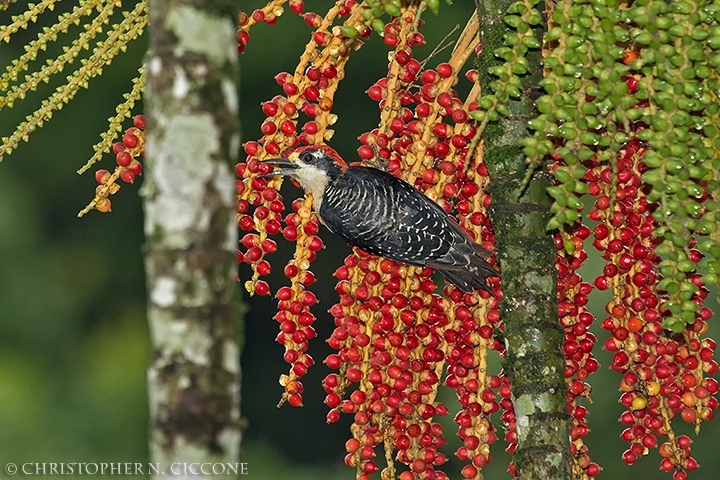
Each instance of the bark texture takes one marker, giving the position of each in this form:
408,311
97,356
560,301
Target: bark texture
526,251
189,197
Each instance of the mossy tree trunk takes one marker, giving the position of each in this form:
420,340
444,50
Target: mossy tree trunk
189,197
526,252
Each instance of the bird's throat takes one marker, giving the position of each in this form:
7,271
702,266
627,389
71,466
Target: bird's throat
313,181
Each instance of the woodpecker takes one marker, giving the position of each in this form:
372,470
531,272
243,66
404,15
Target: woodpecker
386,216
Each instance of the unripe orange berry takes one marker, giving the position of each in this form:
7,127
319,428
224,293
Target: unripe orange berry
103,205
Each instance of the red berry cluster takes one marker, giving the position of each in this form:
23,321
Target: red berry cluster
428,126
294,302
268,14
393,335
388,313
126,153
579,341
663,370
260,207
468,345
390,336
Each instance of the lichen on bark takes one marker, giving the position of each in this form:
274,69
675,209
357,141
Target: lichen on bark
191,236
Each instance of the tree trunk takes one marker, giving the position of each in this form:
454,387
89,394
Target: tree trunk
191,237
526,252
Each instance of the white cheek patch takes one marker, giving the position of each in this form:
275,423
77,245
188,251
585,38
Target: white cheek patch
312,180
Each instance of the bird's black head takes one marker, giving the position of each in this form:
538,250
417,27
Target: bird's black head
314,167
322,158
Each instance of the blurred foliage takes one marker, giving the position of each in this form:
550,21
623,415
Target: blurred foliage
73,337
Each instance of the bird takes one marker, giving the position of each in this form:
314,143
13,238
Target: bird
386,216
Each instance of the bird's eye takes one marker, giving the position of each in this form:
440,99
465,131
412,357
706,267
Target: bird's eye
307,157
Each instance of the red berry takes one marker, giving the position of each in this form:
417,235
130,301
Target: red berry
459,115
428,76
330,71
632,84
123,158
262,288
127,176
321,38
297,6
375,93
287,127
402,57
135,167
445,70
258,15
130,140
445,99
689,415
313,74
290,88
312,93
268,128
102,176
270,109
312,19
295,400
140,121
391,40
469,471
251,148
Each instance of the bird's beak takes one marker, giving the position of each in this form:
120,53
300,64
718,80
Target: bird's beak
288,167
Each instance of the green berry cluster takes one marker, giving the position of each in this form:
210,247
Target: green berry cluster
639,71
584,115
679,46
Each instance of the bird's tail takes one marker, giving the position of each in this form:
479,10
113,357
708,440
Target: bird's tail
473,276
466,265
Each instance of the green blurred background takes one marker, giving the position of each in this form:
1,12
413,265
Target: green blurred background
73,338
